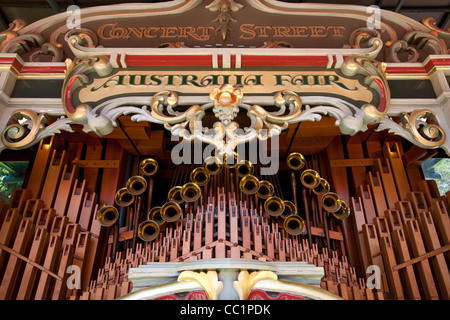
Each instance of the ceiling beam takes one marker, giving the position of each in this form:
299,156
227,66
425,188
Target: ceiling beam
443,22
399,5
3,20
54,5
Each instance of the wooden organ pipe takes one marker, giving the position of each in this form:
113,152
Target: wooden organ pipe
294,189
305,198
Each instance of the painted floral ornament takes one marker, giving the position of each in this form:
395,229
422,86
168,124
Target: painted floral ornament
226,100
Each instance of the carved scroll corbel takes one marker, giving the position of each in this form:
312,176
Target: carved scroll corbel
33,43
375,79
420,127
26,128
76,76
430,23
11,32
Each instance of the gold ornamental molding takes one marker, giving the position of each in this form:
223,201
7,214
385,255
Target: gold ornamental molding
232,26
356,95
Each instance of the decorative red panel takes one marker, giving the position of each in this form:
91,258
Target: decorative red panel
193,295
259,294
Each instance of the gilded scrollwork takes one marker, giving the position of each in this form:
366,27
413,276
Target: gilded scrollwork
376,79
430,23
246,281
224,7
208,280
420,127
412,42
26,128
11,32
76,76
29,42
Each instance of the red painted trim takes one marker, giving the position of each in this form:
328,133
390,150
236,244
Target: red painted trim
299,61
258,294
68,104
393,70
43,69
383,103
167,60
5,60
193,295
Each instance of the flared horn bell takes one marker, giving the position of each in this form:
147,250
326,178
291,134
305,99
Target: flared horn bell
331,202
343,212
322,188
244,168
199,176
289,209
175,195
274,206
107,216
265,190
231,161
123,197
149,167
213,166
155,215
296,161
136,185
310,178
294,225
249,185
148,230
171,211
190,192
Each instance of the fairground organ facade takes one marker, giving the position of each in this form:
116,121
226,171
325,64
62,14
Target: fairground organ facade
225,149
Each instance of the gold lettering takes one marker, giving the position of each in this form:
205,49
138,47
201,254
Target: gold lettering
315,31
184,33
247,28
263,30
336,30
281,31
136,31
147,32
204,33
101,30
169,32
300,31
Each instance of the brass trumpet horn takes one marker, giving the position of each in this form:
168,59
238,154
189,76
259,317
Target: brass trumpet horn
231,162
136,185
265,190
289,209
343,212
175,195
199,176
296,161
190,192
310,178
213,166
294,225
149,167
148,230
107,216
171,211
123,197
274,206
249,185
155,215
244,168
331,202
322,188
